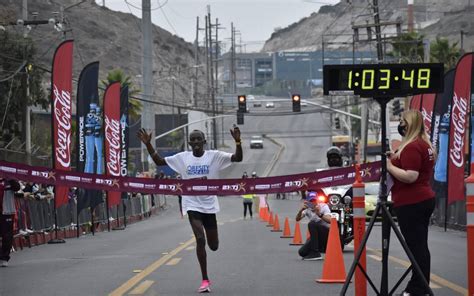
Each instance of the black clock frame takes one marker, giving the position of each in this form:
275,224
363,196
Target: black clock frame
333,81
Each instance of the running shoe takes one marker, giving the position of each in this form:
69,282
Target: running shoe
205,287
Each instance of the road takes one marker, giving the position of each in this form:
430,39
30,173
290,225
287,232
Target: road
157,256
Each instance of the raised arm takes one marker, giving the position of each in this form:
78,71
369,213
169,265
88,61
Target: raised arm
238,155
146,139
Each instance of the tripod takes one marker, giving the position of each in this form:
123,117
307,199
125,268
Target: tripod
387,223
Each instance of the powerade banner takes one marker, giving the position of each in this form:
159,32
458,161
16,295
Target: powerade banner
61,113
458,128
334,177
89,130
112,132
124,122
440,133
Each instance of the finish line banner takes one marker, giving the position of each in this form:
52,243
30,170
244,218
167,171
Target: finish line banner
332,177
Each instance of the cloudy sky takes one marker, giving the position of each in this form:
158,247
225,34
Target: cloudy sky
255,19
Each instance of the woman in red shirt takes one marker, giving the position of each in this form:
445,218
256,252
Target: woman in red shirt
411,167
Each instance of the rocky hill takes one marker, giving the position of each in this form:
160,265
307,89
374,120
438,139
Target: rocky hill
333,23
114,39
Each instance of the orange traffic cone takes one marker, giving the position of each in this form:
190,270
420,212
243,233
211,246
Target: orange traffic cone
276,225
334,270
286,229
270,220
260,214
263,217
297,241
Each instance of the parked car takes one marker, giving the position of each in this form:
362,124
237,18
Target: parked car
257,104
371,198
270,105
256,142
304,104
250,97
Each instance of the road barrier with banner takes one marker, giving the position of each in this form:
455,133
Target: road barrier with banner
289,183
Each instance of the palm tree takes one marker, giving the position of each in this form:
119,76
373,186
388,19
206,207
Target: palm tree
408,48
443,52
135,106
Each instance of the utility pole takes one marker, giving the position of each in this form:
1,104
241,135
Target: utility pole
208,70
462,41
213,92
26,130
232,60
148,120
410,16
196,63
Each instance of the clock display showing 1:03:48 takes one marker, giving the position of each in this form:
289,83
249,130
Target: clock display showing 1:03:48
370,79
384,80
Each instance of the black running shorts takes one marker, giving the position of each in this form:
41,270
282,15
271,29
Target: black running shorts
209,221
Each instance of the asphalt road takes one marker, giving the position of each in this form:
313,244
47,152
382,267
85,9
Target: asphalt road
157,256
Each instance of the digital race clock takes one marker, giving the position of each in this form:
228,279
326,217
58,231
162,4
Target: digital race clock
384,80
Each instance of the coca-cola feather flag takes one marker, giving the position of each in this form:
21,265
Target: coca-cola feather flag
415,102
458,128
112,132
426,108
61,113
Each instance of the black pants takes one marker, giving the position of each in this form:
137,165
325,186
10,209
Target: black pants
413,221
6,232
319,232
249,206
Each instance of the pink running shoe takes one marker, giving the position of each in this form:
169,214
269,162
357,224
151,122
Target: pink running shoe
205,286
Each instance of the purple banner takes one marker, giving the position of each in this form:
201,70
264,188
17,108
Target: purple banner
334,177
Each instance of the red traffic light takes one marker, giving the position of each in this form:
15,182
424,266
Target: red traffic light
295,98
241,99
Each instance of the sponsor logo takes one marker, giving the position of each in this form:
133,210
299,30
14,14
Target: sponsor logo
112,136
262,186
8,169
458,121
136,185
426,118
73,178
325,179
234,187
198,188
178,187
108,182
62,114
82,149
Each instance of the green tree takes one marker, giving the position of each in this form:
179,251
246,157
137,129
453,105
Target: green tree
135,107
408,48
443,52
18,72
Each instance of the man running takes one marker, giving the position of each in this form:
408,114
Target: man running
201,210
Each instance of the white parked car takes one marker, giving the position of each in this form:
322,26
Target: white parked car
270,105
256,142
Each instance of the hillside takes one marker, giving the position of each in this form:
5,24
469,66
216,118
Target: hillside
333,23
114,39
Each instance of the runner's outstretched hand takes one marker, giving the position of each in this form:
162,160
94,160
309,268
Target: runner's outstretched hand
235,133
144,136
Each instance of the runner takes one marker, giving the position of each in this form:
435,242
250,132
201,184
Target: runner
201,210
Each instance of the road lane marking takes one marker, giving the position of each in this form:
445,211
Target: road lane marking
190,248
173,261
433,277
375,257
149,269
141,289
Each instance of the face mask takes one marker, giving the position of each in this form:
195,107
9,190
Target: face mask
402,130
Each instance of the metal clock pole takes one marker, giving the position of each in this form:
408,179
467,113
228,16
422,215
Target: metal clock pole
387,223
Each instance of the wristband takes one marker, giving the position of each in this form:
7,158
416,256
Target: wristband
238,142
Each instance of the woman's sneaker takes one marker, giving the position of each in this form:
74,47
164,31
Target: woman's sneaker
205,286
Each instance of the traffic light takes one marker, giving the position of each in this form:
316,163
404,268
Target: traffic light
396,108
337,123
240,118
296,99
242,103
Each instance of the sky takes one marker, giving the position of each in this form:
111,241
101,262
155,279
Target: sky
254,19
